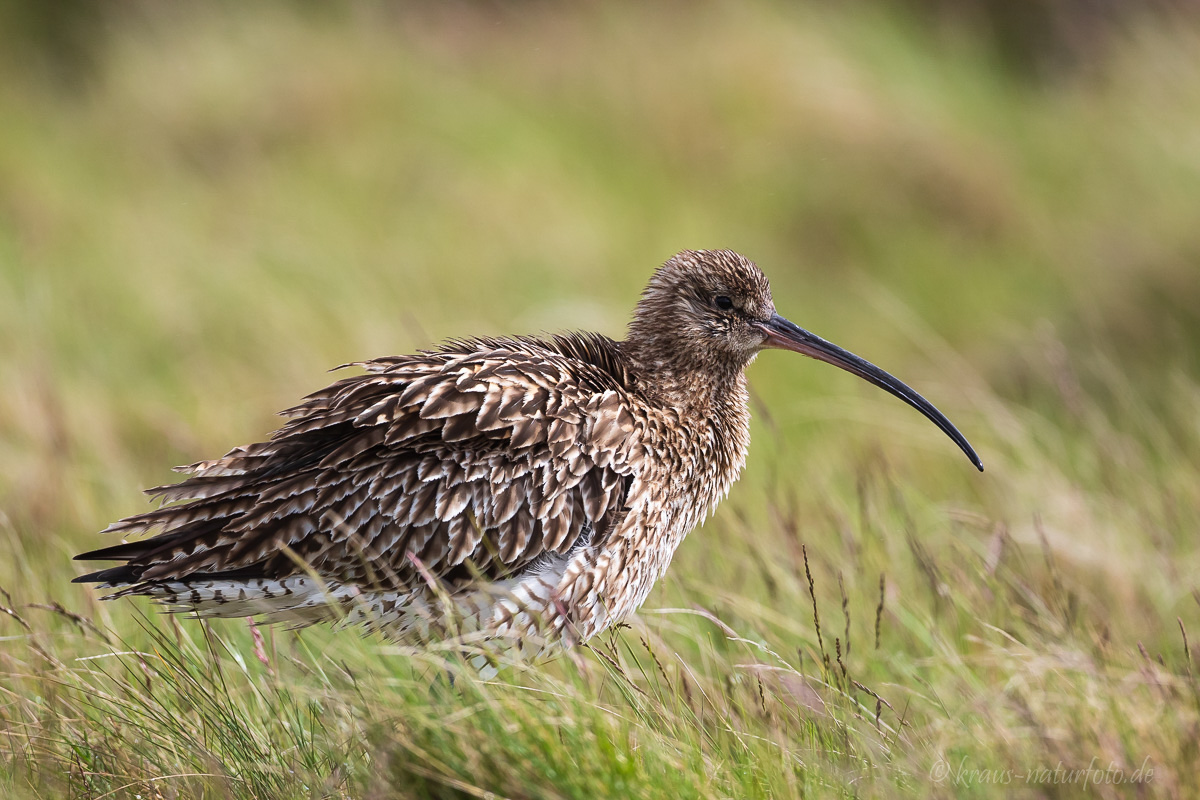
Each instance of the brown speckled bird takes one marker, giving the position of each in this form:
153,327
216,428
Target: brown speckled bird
533,488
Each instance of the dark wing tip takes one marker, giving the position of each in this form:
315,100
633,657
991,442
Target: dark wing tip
113,575
116,552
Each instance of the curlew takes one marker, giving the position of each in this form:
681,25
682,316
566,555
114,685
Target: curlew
530,488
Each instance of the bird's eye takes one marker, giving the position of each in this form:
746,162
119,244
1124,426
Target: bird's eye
723,302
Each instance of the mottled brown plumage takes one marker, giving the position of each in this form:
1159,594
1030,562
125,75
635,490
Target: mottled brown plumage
533,488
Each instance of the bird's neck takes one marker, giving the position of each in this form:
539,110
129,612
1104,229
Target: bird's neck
713,389
712,409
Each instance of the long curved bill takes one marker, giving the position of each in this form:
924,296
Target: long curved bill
786,335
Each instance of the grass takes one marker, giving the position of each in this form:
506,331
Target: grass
225,204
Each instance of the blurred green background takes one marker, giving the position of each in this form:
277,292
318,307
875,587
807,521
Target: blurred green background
203,207
201,210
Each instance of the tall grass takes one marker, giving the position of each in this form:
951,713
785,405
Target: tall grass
234,200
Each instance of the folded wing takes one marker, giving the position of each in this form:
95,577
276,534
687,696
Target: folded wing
469,462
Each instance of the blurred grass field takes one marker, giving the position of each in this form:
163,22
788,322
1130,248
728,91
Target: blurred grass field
205,209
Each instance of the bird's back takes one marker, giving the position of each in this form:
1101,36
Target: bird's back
486,460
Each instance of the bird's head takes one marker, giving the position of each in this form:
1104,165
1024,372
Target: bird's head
701,310
708,313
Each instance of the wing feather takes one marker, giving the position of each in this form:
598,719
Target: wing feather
491,452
